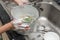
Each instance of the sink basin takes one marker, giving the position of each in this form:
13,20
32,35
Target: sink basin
52,12
39,33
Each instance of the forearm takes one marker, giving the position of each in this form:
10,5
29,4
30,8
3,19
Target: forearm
6,27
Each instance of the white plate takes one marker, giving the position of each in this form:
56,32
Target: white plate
51,36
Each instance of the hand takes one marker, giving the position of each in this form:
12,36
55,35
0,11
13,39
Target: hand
19,25
21,2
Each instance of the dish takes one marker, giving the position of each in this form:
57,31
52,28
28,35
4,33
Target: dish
51,36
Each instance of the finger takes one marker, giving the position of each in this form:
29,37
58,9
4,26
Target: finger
25,2
19,24
27,28
19,2
24,29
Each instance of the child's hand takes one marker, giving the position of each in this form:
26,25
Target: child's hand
19,25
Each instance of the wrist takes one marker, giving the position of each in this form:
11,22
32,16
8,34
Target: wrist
12,26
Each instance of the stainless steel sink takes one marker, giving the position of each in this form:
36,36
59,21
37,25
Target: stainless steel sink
45,22
39,32
52,12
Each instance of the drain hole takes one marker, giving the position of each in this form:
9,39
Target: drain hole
41,9
39,36
41,0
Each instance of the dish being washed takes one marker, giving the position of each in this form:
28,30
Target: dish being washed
28,14
28,10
